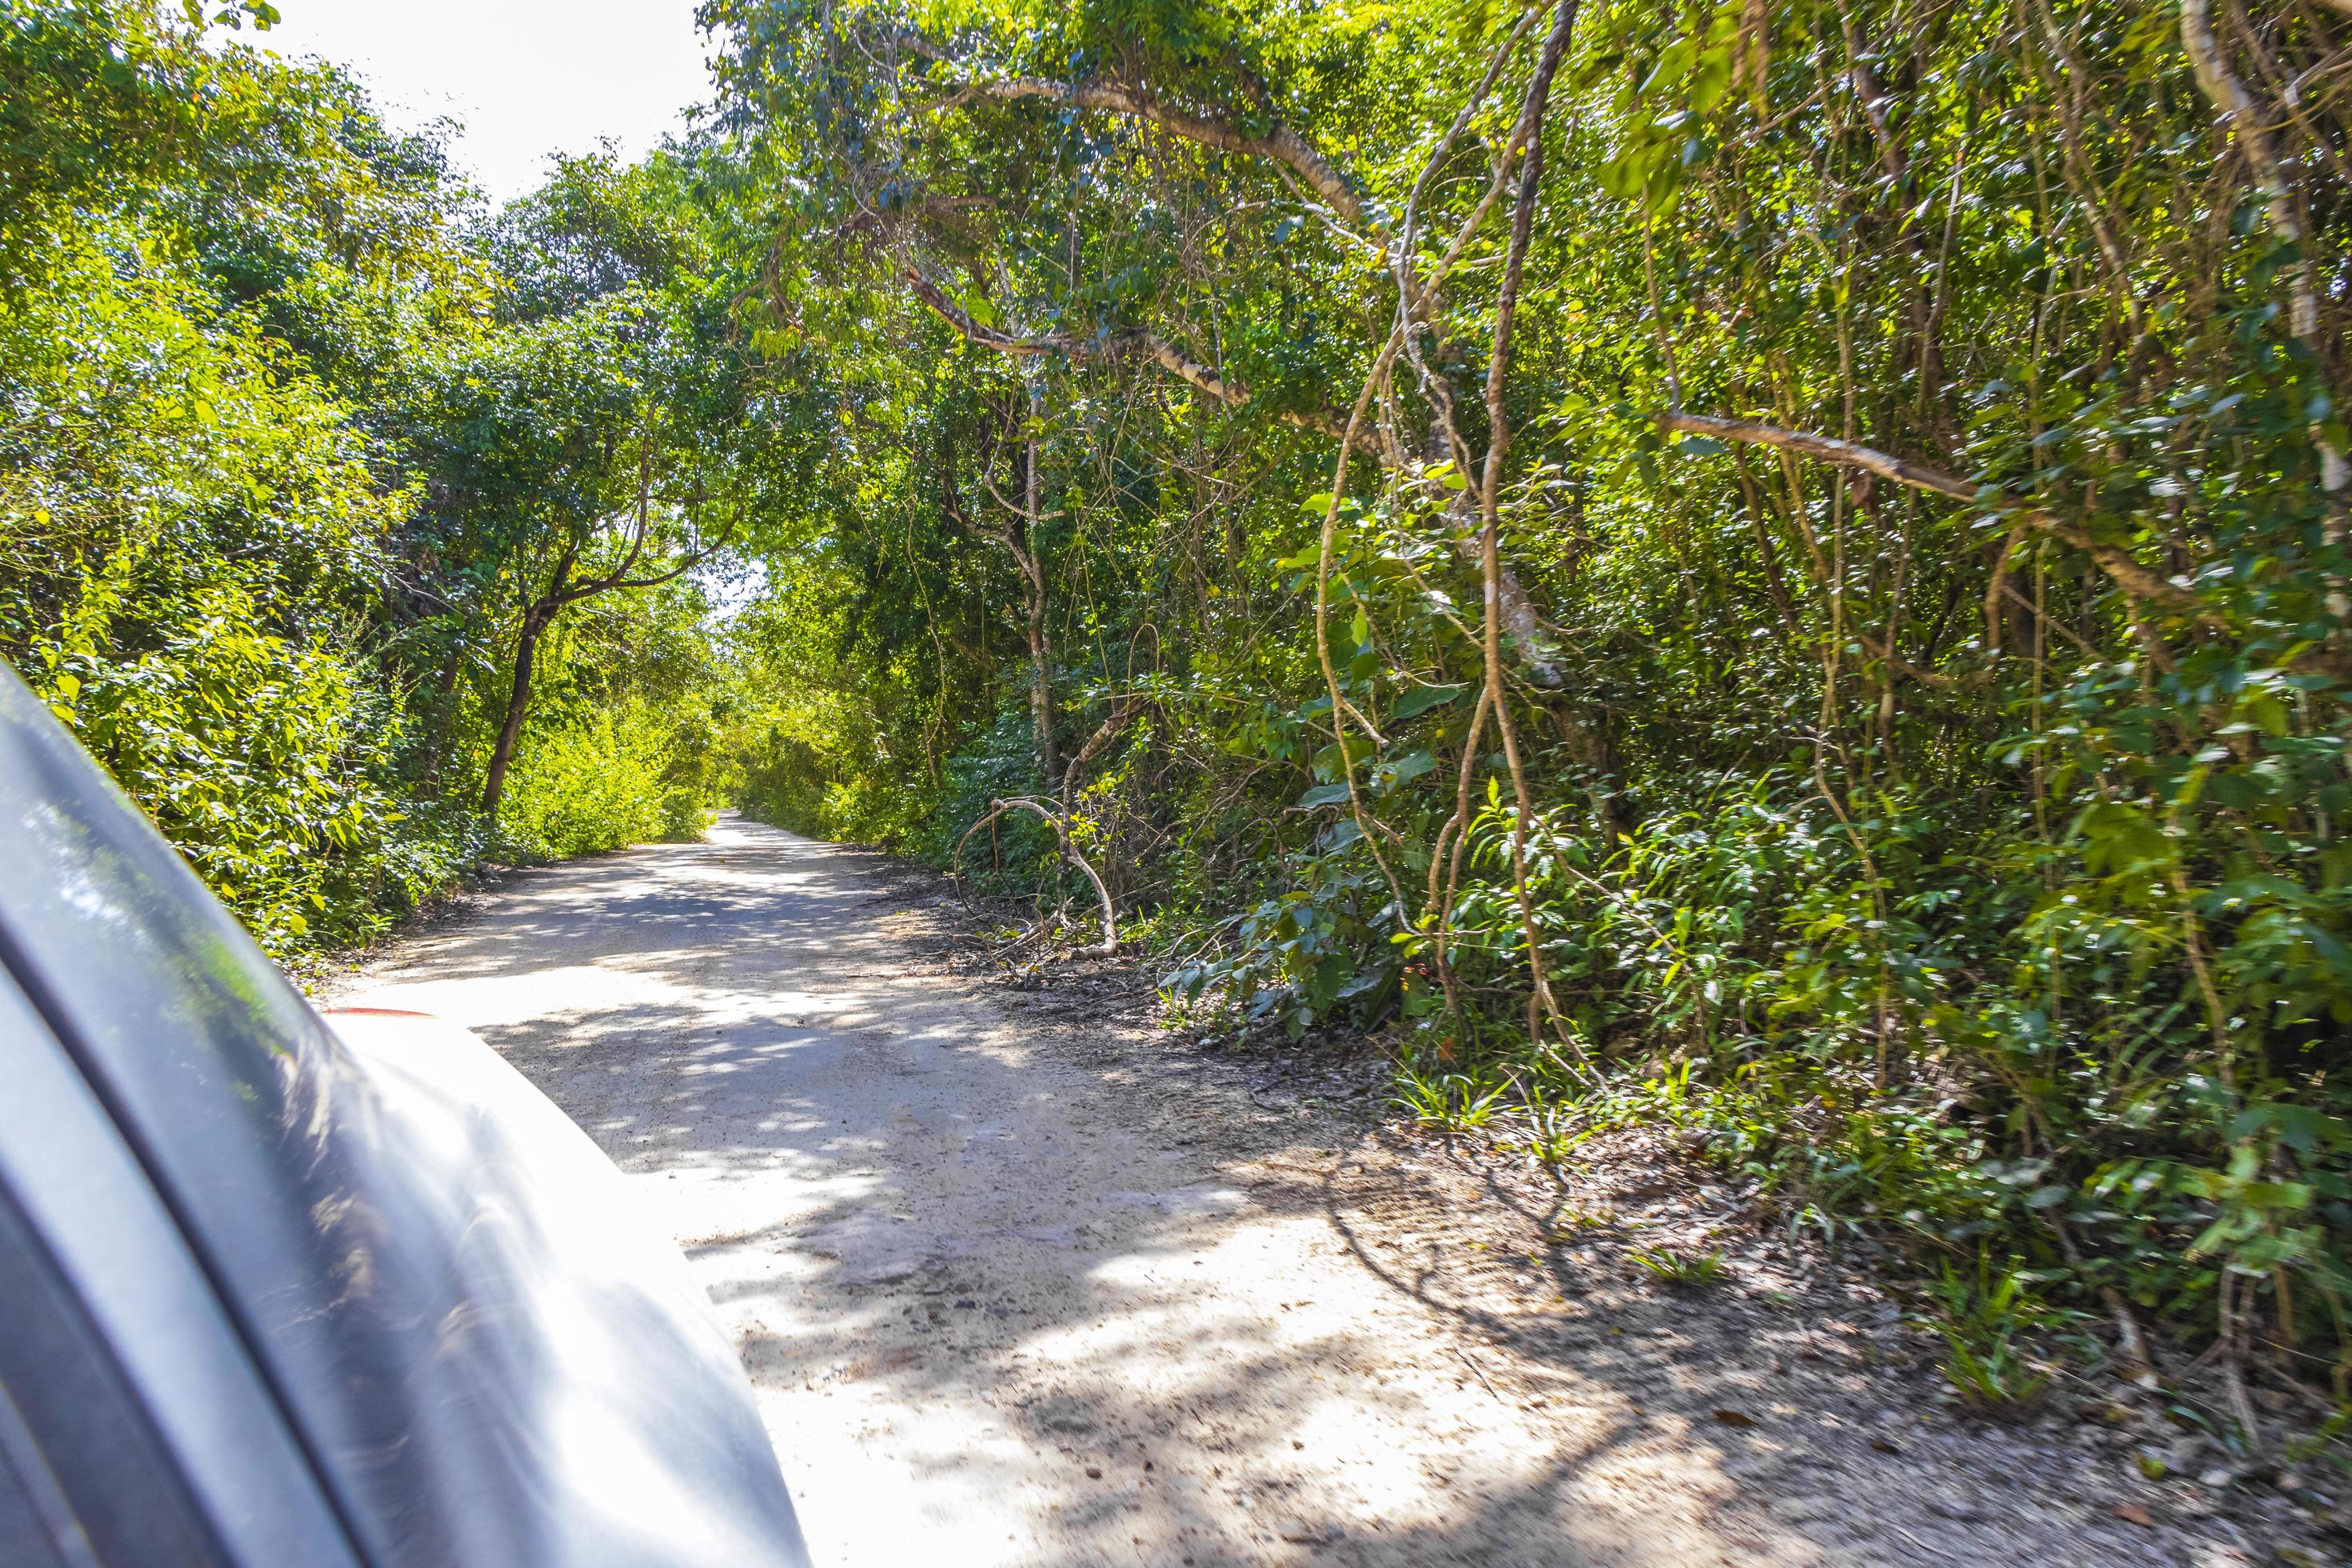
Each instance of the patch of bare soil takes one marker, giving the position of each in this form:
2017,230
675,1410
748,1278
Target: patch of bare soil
1812,1371
1020,1278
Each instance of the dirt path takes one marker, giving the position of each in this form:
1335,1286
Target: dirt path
1017,1289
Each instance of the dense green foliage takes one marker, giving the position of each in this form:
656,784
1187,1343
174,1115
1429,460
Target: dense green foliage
1949,825
291,436
1774,565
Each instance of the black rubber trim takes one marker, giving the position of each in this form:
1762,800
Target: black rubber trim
53,1013
124,1487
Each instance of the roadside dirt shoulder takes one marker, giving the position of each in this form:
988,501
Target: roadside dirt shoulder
1020,1278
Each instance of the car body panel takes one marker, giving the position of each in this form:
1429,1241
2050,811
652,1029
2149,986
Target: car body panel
470,1380
554,1237
67,1170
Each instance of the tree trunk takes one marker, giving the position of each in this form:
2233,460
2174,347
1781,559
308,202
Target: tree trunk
1019,538
1041,646
494,783
1041,694
436,736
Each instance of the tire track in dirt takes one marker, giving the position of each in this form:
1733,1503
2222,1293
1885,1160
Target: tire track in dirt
1011,1293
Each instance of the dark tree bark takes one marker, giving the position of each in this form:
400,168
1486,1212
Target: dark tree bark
565,589
537,617
1019,541
494,783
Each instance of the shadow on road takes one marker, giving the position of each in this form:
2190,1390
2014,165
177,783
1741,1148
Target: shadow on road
1000,1309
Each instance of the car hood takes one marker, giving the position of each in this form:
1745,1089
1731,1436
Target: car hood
488,1358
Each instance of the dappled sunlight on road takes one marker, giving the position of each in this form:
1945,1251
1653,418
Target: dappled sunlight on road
992,1314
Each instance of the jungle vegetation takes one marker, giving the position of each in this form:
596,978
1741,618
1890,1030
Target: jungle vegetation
352,525
1773,565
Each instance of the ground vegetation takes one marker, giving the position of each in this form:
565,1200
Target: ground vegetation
359,529
1772,566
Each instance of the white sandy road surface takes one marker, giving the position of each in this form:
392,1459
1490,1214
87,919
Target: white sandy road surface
1003,1306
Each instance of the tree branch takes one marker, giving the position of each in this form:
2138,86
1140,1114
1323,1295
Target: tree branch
971,331
1124,710
618,579
596,585
2220,84
1151,345
1282,144
2116,563
1322,421
1059,821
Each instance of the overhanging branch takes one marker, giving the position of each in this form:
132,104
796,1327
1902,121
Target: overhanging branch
1322,422
2118,564
1281,144
971,331
1149,345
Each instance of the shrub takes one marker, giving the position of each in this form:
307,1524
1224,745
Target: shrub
264,761
599,781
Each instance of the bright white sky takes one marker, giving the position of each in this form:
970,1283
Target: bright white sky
526,77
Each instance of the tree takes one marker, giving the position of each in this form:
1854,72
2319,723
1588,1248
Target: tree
279,473
1822,556
591,440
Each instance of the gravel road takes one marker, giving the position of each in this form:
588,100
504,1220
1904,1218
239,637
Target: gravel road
1013,1296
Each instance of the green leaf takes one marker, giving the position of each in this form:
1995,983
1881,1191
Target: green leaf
1422,699
2119,838
2274,1195
1406,769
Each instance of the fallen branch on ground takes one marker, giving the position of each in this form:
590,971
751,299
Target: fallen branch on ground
1109,946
